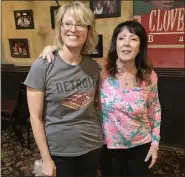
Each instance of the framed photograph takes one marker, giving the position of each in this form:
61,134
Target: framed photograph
106,8
53,12
19,48
24,19
98,52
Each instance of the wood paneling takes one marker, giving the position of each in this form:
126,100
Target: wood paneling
171,95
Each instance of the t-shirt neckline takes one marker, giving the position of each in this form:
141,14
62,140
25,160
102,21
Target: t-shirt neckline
61,59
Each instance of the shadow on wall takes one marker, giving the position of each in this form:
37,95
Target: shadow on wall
3,61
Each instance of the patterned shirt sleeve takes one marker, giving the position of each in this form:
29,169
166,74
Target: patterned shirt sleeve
154,110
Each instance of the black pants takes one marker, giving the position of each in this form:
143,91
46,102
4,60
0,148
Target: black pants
125,162
85,165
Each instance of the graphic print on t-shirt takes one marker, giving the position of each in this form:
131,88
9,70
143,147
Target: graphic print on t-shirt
67,86
77,101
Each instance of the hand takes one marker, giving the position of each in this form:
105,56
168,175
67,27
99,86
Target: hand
47,53
48,168
152,153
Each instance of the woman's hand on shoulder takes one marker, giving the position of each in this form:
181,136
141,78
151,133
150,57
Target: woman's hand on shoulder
47,53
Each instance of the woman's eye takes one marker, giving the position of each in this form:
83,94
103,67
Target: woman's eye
68,24
134,39
79,25
121,38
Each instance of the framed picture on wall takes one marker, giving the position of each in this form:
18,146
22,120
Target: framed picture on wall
53,12
98,52
24,19
106,8
19,48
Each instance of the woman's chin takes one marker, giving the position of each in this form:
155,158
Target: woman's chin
126,59
74,46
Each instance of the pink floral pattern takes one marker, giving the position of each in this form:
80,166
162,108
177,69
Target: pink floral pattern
130,117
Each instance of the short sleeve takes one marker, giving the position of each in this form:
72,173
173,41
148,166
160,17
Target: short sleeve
37,75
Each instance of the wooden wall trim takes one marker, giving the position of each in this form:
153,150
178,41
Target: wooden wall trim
161,72
13,68
170,72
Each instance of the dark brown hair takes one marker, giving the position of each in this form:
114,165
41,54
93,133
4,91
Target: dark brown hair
143,65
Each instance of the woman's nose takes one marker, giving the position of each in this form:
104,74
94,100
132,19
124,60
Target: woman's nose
73,28
126,42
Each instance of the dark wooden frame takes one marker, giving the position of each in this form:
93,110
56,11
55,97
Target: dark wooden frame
22,14
99,48
52,13
19,42
107,15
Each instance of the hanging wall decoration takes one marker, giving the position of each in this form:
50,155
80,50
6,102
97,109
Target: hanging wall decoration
53,12
98,52
24,19
19,48
106,8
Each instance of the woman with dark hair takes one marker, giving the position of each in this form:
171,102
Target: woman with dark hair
130,108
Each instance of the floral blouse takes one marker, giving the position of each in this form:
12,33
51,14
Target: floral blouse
130,117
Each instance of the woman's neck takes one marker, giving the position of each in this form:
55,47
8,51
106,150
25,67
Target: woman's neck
70,56
126,67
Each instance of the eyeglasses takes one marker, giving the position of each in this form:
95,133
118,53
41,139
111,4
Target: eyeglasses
78,27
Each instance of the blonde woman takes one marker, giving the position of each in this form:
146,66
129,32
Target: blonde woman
70,137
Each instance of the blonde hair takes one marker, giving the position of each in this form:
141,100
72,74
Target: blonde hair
84,16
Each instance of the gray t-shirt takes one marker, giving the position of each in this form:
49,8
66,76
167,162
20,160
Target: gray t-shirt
72,123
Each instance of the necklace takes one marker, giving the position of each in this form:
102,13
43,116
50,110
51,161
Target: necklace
127,80
126,74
